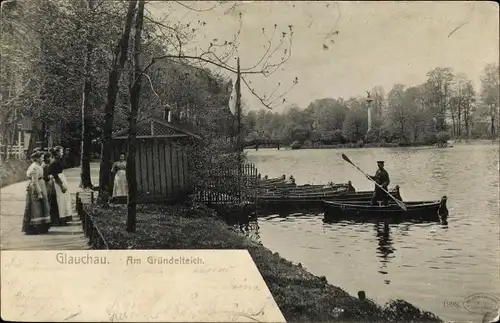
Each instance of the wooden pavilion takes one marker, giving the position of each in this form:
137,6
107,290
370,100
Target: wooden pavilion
161,158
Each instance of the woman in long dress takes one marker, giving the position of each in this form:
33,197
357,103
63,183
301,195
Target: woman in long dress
46,177
60,210
120,185
36,218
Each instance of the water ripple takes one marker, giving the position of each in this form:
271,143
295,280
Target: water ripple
422,263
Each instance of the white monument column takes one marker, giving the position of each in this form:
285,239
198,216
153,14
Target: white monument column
369,117
369,101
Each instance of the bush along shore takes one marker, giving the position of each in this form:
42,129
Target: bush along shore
308,145
13,171
363,145
301,296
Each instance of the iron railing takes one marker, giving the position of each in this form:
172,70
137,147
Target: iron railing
89,226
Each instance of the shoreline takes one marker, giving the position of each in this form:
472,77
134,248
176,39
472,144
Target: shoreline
348,146
367,145
300,295
380,145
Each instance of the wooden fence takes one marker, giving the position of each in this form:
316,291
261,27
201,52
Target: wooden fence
228,185
16,152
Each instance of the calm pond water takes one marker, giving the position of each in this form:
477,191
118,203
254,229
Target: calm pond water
425,264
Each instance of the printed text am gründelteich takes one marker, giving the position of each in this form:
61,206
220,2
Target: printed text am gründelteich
156,260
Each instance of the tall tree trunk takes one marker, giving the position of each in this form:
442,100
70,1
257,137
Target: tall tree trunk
135,91
492,117
86,148
43,135
453,126
113,86
86,179
466,121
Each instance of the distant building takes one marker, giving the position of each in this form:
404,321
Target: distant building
481,125
20,132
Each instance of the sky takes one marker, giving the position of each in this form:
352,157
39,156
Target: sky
378,43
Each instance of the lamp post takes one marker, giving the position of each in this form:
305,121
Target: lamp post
369,100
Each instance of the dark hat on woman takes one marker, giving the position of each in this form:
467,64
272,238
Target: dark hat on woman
36,154
54,151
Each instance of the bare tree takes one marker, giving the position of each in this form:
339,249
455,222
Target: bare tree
439,91
218,54
86,179
461,104
135,91
490,89
398,110
119,59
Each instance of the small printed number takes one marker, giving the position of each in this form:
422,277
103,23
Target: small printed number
454,304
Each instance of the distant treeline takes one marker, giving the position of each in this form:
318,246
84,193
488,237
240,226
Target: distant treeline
445,106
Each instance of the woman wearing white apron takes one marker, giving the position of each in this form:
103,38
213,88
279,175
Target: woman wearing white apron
120,186
60,210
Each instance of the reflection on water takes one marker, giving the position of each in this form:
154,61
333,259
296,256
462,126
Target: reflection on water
382,231
385,247
424,263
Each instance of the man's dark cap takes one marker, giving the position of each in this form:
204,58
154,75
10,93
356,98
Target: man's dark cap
380,161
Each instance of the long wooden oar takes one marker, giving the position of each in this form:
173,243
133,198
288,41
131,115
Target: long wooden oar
398,202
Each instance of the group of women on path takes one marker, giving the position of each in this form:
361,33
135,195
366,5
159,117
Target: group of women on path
48,201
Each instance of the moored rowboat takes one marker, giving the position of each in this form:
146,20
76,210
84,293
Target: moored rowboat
294,192
280,186
335,193
287,189
309,202
315,195
318,188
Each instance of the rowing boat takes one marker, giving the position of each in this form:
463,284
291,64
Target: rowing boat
312,187
317,188
292,189
308,202
435,211
277,185
327,194
315,196
273,180
295,192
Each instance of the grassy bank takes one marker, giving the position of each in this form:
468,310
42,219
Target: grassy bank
301,296
13,171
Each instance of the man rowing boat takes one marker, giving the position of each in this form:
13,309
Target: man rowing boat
382,178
